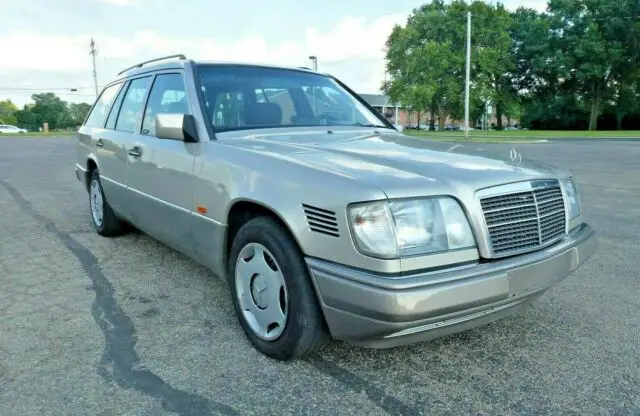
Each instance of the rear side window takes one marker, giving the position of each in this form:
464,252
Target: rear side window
167,96
102,106
132,105
113,115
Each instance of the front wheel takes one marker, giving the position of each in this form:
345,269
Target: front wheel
272,293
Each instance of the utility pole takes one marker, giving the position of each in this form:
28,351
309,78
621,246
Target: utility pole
93,54
468,80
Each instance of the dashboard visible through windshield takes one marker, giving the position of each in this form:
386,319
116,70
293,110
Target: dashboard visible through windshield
247,97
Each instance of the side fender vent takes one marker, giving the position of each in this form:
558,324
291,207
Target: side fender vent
321,220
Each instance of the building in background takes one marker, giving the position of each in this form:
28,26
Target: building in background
398,114
395,113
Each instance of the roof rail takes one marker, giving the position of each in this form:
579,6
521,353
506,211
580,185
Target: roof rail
179,56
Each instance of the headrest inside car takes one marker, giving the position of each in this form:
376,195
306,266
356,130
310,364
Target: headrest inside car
265,114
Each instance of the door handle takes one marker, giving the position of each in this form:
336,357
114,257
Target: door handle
99,143
135,151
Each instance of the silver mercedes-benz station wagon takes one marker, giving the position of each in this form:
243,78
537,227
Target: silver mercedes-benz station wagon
324,218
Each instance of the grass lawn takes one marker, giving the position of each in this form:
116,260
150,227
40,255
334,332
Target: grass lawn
523,135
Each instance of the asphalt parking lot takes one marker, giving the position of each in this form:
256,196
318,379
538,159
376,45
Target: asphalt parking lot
126,326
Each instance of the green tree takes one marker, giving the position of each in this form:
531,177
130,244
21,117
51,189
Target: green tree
426,58
27,118
424,63
494,61
594,42
49,108
78,112
7,112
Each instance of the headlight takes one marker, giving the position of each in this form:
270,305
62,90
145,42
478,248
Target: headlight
402,228
573,199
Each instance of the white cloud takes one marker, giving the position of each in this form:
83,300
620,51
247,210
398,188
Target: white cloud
29,50
119,3
351,50
353,36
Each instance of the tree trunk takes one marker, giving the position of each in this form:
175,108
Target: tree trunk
432,122
418,123
499,115
441,117
620,110
595,108
619,117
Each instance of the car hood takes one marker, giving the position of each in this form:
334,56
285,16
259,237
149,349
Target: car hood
402,165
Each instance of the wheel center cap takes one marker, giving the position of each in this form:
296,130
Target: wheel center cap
259,291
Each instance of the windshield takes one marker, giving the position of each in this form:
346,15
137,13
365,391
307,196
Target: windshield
244,97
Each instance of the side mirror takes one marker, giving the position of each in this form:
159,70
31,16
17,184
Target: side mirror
399,127
176,127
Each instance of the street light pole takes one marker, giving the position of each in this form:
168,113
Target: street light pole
468,78
314,59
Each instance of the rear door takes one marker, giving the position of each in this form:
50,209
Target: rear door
161,170
97,141
118,136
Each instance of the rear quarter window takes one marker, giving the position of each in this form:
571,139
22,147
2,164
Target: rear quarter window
101,108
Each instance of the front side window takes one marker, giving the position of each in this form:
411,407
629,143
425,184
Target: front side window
101,108
132,105
243,97
167,96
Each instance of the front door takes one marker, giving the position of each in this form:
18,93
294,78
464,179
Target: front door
161,170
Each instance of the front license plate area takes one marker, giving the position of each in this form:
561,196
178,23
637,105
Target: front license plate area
539,275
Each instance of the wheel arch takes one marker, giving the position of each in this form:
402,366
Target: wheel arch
242,210
90,166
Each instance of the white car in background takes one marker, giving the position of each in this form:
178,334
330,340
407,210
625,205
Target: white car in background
9,129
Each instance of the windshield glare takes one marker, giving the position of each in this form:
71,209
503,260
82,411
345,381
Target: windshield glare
246,97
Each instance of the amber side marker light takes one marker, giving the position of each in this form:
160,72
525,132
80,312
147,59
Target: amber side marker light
201,209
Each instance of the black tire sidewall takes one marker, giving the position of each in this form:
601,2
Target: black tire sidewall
303,317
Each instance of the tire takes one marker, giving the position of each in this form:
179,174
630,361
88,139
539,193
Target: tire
107,224
304,330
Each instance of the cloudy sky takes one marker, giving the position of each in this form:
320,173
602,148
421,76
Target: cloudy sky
44,44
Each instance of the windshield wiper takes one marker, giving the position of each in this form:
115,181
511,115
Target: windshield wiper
369,125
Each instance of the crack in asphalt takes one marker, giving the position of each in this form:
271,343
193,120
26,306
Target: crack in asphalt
392,405
119,353
121,363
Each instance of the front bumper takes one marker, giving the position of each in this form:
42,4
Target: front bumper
379,311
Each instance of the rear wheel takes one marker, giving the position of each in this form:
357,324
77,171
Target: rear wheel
104,220
272,293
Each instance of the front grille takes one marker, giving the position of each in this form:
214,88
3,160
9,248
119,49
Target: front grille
524,220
